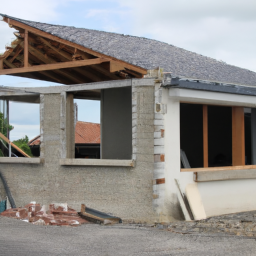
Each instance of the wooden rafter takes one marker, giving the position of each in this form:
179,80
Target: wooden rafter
38,32
18,51
85,56
26,49
60,65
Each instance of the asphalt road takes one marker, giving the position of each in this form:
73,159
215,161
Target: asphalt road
24,239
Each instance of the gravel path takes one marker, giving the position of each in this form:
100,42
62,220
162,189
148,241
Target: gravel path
24,239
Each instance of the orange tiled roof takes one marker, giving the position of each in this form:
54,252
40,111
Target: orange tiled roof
87,132
35,141
84,133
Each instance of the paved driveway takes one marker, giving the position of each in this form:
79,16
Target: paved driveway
24,239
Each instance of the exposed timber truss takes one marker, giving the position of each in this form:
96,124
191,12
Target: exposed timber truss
39,55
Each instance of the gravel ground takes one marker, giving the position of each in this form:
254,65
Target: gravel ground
21,238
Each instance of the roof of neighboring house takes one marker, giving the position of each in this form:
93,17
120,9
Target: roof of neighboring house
149,54
85,133
35,141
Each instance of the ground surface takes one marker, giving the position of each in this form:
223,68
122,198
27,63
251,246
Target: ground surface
24,239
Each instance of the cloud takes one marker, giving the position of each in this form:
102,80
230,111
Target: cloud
24,113
223,30
21,130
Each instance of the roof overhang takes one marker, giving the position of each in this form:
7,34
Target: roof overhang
39,55
204,85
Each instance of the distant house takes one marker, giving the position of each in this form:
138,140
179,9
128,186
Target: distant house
87,141
177,129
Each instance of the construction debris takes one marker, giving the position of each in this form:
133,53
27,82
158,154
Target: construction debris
55,215
95,216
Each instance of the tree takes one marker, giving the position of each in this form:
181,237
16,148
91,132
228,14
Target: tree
4,125
23,145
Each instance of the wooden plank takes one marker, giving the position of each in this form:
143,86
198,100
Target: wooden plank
13,145
105,72
60,65
115,66
18,51
238,140
59,51
9,64
65,42
217,169
26,49
205,135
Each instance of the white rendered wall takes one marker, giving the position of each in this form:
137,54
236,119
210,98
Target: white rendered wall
217,197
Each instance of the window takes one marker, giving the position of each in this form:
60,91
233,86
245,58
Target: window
114,128
19,129
215,136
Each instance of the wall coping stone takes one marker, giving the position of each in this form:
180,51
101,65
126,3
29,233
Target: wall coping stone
97,162
21,160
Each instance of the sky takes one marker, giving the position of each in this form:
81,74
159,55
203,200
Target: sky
223,30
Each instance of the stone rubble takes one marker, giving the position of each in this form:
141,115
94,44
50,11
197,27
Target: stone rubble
55,215
238,224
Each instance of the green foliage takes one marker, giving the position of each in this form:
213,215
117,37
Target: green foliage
23,145
4,125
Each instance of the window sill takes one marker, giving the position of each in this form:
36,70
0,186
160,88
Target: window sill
97,162
223,173
20,160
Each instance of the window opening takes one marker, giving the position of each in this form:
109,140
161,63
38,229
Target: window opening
87,128
24,132
215,136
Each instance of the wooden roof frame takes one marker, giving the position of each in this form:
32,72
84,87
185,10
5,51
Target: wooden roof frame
83,65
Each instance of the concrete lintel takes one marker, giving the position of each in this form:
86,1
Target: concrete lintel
226,175
143,82
20,160
87,86
97,162
214,98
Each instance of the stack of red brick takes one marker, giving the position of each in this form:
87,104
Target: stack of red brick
56,214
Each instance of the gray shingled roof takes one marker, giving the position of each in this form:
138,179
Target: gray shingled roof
149,54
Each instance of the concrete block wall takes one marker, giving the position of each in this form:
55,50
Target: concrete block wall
159,152
123,191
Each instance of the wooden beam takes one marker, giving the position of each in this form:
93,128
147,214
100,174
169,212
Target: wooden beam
116,66
54,77
105,72
205,135
60,65
85,56
135,74
48,60
13,145
88,74
59,51
238,140
26,49
9,64
18,24
18,51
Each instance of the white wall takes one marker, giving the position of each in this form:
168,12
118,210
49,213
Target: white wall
217,197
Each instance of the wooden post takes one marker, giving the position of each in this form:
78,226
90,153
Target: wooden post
1,63
253,135
205,134
26,49
238,140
